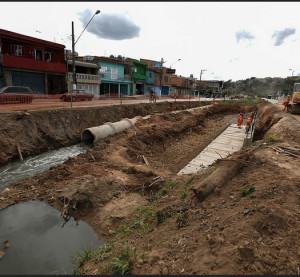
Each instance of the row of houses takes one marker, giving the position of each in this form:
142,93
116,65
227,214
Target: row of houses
46,67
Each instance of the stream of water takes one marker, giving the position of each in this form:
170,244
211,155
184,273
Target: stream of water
31,166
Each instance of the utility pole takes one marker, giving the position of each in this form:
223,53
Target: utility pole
201,72
161,73
74,85
73,64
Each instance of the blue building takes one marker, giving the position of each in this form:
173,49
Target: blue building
152,81
115,76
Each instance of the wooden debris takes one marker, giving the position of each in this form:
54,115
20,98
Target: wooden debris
156,179
289,151
145,160
92,157
19,152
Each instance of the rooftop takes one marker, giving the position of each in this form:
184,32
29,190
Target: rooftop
13,35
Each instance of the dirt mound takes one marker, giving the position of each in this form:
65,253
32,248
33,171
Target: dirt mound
286,129
119,208
267,116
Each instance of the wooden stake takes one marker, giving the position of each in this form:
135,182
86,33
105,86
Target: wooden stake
19,152
145,160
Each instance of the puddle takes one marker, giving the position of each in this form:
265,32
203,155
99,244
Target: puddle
31,166
40,242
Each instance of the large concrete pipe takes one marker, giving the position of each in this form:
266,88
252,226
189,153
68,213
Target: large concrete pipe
94,134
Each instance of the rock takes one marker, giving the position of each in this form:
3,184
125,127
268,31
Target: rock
140,261
247,211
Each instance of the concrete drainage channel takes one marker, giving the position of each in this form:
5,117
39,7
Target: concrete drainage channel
231,140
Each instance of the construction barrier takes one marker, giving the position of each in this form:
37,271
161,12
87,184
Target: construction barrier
15,99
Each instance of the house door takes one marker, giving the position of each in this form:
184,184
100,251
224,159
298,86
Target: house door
36,81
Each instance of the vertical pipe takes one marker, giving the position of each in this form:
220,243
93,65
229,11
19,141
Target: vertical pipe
161,74
73,63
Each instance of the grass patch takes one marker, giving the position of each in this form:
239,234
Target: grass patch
142,222
247,190
244,101
80,259
102,252
167,186
183,195
181,219
122,263
270,138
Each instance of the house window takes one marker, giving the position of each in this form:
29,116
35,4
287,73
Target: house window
38,55
48,57
17,50
114,73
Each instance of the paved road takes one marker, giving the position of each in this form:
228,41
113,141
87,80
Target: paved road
47,104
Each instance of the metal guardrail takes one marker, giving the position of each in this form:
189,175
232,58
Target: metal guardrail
250,134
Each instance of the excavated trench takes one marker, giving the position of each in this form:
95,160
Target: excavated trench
36,132
136,160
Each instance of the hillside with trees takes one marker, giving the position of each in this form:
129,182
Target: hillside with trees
261,86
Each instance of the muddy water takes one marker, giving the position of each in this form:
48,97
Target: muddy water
31,166
40,242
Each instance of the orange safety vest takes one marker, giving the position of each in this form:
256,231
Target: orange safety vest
240,120
249,121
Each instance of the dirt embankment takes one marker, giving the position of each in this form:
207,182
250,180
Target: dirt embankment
117,164
145,205
249,225
38,131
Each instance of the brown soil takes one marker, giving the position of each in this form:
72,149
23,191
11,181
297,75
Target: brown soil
39,131
227,233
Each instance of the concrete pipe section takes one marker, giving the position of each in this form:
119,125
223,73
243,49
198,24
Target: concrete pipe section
94,134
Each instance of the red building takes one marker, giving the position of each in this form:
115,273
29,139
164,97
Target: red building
32,62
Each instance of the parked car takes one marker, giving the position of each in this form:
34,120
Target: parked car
77,95
16,95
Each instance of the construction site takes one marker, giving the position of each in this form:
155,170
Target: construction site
165,188
149,138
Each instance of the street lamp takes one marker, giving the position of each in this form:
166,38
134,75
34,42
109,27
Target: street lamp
73,51
174,63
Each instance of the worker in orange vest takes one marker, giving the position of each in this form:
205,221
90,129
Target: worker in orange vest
286,103
240,120
248,123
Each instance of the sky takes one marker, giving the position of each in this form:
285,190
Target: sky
231,40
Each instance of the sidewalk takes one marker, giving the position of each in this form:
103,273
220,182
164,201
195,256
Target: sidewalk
51,104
